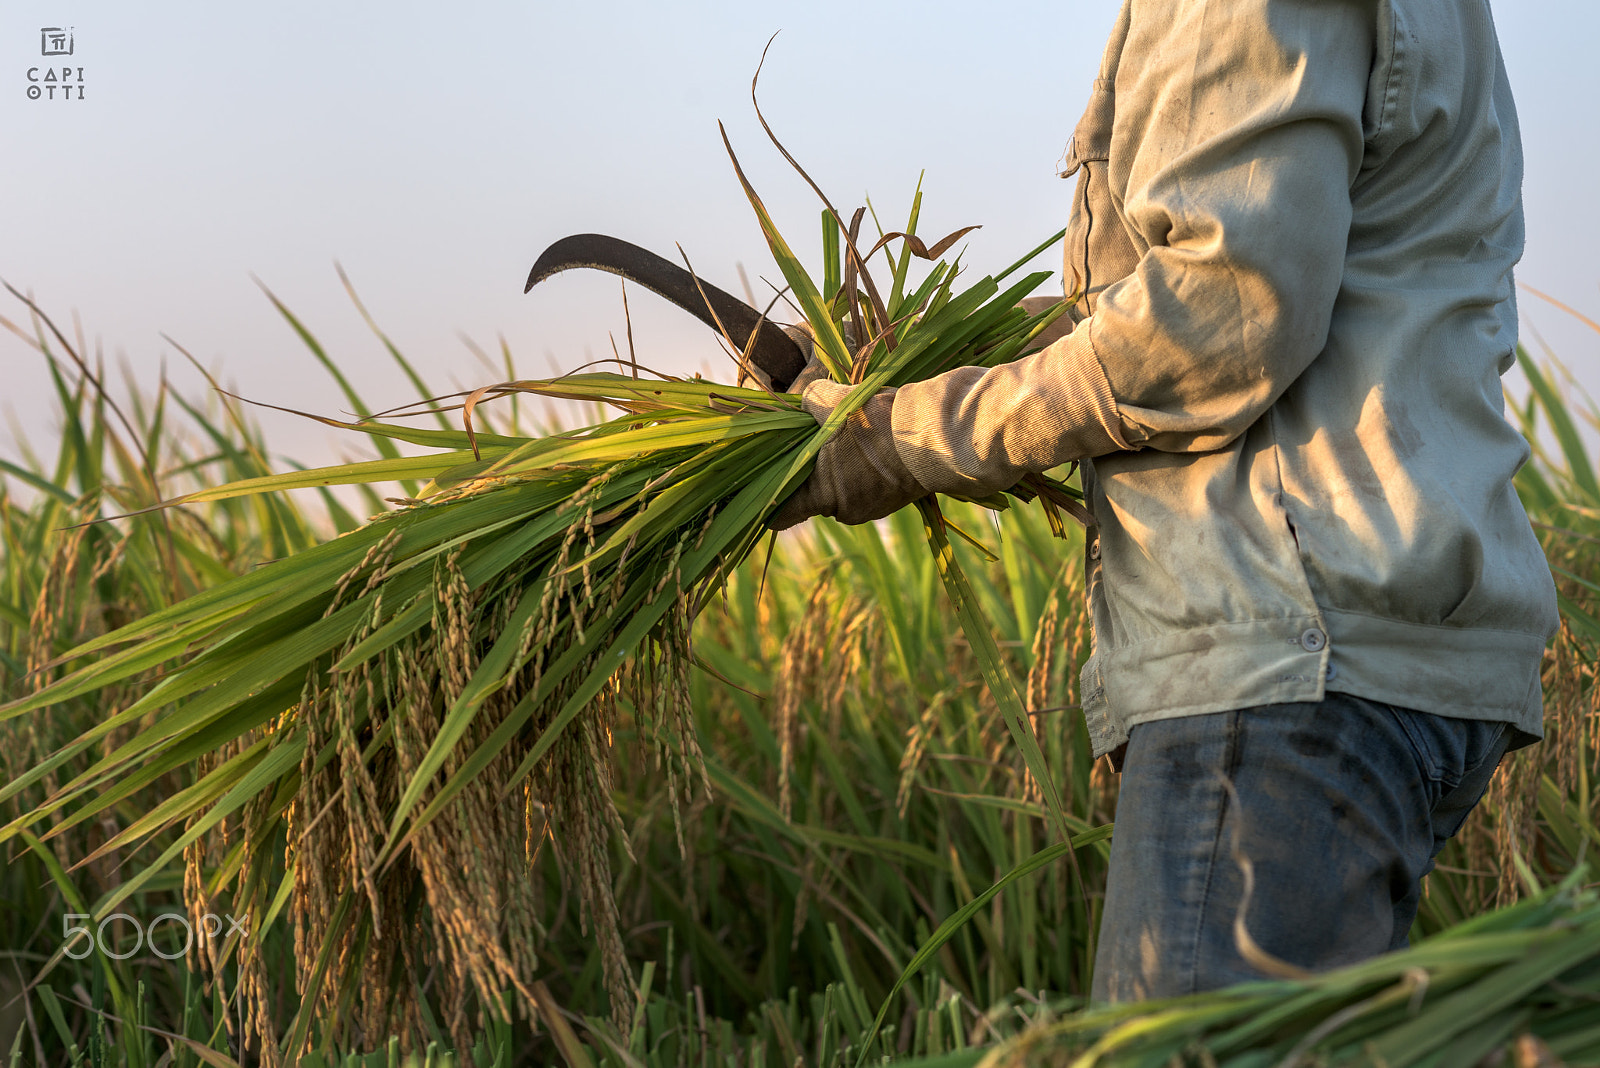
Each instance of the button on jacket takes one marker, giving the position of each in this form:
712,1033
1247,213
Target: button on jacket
1291,255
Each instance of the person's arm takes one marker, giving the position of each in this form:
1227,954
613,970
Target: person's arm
1238,135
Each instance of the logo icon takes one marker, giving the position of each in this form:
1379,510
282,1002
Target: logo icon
45,82
55,41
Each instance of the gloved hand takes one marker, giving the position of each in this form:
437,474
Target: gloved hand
814,369
858,476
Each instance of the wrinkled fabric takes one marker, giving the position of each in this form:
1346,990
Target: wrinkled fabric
1290,261
1338,809
858,476
814,370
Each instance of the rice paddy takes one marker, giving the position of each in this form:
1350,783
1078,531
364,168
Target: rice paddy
528,770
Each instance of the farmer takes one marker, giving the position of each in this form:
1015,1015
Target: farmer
1319,610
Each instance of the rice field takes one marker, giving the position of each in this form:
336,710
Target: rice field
814,841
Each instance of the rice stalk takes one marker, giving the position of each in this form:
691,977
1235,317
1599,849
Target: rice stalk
741,866
1520,982
363,709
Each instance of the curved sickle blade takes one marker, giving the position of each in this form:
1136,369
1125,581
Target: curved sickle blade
774,352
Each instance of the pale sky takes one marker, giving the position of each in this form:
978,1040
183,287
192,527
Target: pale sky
434,151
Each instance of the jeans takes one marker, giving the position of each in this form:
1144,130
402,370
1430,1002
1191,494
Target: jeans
1336,808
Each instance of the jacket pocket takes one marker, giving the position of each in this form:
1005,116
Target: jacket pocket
1100,250
1091,138
1086,157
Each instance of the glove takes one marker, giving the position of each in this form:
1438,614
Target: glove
814,369
858,476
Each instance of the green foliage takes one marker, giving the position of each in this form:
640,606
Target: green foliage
864,789
1526,975
341,727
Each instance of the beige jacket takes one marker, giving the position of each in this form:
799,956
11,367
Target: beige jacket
1293,235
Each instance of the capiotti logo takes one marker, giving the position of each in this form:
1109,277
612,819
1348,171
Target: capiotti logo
55,82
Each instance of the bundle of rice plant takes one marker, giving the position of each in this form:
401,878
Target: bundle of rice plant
407,712
1517,988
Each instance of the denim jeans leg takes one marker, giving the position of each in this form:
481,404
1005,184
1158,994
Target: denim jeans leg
1462,757
1338,807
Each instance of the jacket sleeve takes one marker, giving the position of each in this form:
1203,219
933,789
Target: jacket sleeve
1236,140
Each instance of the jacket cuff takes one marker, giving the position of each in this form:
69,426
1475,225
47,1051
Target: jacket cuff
973,431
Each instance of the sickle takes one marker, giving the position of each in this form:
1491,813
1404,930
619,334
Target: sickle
774,352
